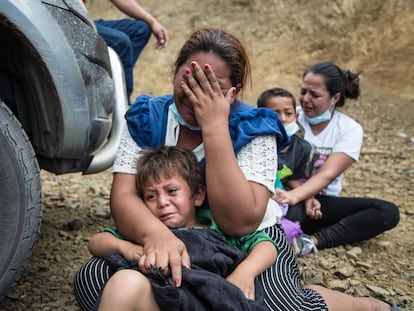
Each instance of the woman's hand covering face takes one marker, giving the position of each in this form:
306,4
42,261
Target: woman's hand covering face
209,90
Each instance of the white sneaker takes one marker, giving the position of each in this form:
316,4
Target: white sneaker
303,245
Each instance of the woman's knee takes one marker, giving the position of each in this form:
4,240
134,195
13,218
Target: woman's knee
390,212
394,215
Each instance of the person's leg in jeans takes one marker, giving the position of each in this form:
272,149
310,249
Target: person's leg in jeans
350,220
128,38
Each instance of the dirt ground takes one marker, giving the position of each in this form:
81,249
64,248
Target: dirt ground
282,39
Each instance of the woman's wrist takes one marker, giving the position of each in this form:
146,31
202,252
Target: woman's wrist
294,197
159,232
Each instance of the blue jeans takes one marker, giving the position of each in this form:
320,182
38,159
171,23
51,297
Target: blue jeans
128,38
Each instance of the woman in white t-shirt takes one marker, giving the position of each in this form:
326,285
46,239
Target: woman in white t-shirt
336,141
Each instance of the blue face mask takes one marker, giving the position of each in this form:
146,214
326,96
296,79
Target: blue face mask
180,119
324,116
291,128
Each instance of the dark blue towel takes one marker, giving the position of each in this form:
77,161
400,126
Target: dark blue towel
204,286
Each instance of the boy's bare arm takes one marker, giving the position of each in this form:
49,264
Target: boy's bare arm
262,256
103,243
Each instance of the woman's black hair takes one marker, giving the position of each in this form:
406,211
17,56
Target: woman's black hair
337,80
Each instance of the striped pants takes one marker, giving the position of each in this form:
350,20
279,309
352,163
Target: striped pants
281,282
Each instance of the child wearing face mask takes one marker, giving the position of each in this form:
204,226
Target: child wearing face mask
293,160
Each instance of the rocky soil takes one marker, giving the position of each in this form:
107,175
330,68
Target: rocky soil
282,39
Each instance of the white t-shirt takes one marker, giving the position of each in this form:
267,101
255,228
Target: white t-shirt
343,134
256,160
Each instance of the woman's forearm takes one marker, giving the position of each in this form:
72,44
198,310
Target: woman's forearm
311,187
334,166
237,205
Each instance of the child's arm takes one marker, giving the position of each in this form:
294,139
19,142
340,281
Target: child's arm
312,205
262,256
313,208
102,243
293,183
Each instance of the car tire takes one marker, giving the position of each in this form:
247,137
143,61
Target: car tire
20,199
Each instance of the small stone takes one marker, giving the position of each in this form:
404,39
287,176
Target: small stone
384,244
378,291
326,264
354,283
44,267
344,272
318,279
71,308
63,234
371,272
15,296
354,253
362,264
339,285
103,212
75,224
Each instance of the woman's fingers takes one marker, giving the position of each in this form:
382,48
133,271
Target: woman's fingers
281,196
169,263
188,91
192,83
211,77
185,259
202,81
146,262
